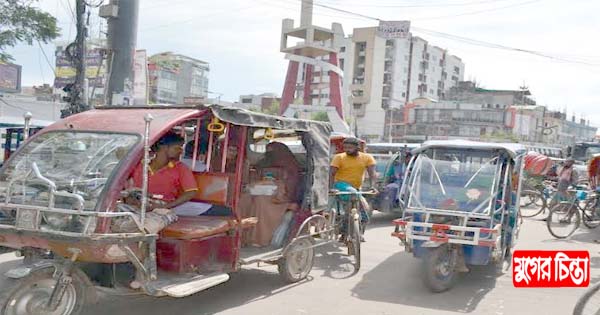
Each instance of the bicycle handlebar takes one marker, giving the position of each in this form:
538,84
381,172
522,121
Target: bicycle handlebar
347,193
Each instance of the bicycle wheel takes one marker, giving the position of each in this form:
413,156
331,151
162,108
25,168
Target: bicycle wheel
590,216
589,302
528,198
353,238
529,207
563,220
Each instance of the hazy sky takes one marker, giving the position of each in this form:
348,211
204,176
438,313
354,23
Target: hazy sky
240,40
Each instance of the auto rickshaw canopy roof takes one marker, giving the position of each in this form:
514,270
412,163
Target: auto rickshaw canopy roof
513,149
130,119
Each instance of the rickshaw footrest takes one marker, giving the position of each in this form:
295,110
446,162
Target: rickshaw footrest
179,287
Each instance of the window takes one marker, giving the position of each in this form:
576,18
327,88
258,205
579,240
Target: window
361,46
387,78
246,101
358,93
456,70
167,75
166,84
342,49
342,63
291,138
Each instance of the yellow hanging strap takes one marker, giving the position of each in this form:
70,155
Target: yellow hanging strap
269,134
215,125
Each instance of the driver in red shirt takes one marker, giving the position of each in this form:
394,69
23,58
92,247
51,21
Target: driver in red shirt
168,179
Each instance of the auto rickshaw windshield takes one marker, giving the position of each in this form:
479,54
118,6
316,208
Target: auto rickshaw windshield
79,163
450,179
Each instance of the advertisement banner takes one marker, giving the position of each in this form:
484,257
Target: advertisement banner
140,78
393,29
10,78
65,71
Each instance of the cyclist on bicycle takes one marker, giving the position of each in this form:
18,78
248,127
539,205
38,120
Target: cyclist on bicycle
347,173
567,177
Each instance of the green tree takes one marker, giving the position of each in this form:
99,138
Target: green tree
320,116
20,21
273,109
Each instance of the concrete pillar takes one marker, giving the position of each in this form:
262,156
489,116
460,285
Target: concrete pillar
307,13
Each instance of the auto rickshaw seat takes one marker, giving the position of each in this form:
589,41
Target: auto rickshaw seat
204,226
213,188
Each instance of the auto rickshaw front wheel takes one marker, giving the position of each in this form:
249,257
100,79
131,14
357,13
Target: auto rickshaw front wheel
439,268
297,261
30,295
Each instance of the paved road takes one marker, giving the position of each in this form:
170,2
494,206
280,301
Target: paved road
389,283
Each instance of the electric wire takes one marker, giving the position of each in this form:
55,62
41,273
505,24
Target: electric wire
47,59
13,106
468,40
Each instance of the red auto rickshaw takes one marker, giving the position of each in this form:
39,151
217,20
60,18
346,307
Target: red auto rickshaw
63,198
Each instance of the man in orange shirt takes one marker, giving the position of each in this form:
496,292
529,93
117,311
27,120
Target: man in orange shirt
168,178
348,170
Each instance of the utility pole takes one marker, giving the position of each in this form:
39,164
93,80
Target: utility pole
391,118
122,16
76,52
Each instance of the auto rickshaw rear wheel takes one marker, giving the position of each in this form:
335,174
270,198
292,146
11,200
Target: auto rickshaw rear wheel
439,268
297,261
29,295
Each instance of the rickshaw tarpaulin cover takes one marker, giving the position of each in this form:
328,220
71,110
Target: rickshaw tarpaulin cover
315,137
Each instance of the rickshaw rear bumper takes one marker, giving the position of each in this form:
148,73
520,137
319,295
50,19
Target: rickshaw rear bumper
98,248
434,235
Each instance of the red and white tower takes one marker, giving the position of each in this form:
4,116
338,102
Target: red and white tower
317,53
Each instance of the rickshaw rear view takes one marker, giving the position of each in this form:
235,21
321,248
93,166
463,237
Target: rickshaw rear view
462,207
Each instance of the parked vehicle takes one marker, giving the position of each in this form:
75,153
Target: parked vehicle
64,198
462,207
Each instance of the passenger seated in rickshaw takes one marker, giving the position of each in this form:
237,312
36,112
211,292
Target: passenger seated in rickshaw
396,176
279,167
188,157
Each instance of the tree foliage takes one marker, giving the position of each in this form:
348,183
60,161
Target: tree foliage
320,116
21,21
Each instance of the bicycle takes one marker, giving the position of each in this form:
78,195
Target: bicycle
566,217
347,221
543,198
589,302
